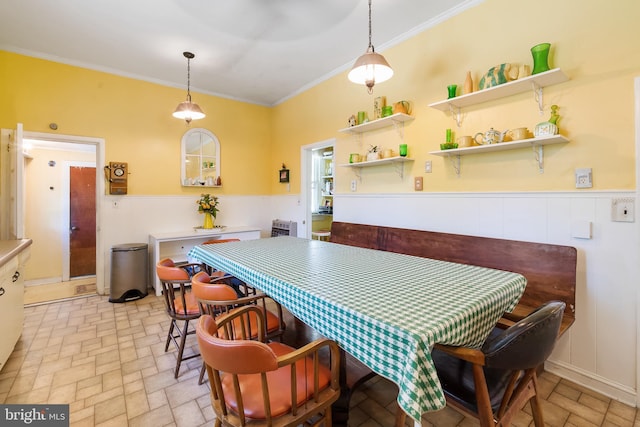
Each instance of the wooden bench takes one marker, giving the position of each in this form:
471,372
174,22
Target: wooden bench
550,270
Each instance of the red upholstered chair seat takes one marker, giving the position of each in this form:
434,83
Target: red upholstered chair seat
279,386
252,379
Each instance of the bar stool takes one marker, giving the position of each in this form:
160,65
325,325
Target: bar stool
181,306
321,235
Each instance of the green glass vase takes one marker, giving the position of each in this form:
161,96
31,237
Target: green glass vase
540,54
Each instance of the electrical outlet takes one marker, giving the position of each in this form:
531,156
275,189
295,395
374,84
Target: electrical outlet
417,183
354,185
584,178
623,210
427,166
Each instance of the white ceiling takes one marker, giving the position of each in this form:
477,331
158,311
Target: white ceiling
259,51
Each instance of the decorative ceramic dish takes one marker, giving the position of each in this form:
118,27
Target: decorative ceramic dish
200,229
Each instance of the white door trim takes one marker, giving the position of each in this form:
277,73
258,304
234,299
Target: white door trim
100,190
637,144
306,159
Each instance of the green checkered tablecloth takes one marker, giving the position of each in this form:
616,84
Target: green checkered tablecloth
385,309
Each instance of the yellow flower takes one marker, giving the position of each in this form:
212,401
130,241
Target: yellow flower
208,204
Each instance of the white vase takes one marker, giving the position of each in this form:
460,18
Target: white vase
373,156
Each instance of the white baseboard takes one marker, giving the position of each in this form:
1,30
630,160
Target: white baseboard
622,393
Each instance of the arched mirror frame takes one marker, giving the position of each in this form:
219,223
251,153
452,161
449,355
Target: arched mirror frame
200,161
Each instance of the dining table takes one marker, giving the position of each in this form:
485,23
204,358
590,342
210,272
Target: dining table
385,309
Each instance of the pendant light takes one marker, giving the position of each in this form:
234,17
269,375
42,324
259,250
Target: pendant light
188,110
371,67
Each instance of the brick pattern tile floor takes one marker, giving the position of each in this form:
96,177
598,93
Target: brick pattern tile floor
107,361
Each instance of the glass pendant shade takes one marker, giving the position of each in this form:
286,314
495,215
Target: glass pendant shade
188,111
369,69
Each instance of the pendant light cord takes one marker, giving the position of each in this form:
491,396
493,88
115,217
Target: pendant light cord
370,44
188,79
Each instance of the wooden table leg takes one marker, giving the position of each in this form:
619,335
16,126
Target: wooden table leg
401,417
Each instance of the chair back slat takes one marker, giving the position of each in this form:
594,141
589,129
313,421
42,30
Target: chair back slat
238,366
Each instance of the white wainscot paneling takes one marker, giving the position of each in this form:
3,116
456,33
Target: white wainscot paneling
130,219
600,349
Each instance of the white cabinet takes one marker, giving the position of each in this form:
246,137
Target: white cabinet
12,298
177,245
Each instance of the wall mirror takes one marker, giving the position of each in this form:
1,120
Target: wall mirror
200,159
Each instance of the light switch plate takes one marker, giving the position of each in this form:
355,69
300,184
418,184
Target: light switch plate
417,183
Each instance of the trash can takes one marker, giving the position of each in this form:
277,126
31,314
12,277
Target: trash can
129,272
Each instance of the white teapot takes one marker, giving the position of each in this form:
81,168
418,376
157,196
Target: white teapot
491,136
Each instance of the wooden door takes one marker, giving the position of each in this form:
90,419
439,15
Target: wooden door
82,227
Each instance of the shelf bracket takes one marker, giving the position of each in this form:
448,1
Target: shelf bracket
456,114
538,97
399,168
399,127
455,162
538,152
357,173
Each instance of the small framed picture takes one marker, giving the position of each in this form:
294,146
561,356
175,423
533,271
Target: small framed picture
284,175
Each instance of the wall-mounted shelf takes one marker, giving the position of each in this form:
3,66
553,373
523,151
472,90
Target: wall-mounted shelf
202,185
535,83
535,143
378,123
398,162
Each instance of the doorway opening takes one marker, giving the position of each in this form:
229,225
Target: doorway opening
60,216
318,184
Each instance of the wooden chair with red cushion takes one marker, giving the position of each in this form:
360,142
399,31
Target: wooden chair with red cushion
181,305
242,289
215,296
252,382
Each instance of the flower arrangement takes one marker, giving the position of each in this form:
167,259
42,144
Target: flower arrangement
373,149
208,204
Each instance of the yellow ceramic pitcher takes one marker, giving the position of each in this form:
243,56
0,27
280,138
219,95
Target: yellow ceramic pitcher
402,107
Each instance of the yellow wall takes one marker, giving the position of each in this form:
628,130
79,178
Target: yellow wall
134,118
593,42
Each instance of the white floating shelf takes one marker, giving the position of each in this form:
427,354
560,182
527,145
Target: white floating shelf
503,146
398,162
514,87
378,123
378,162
